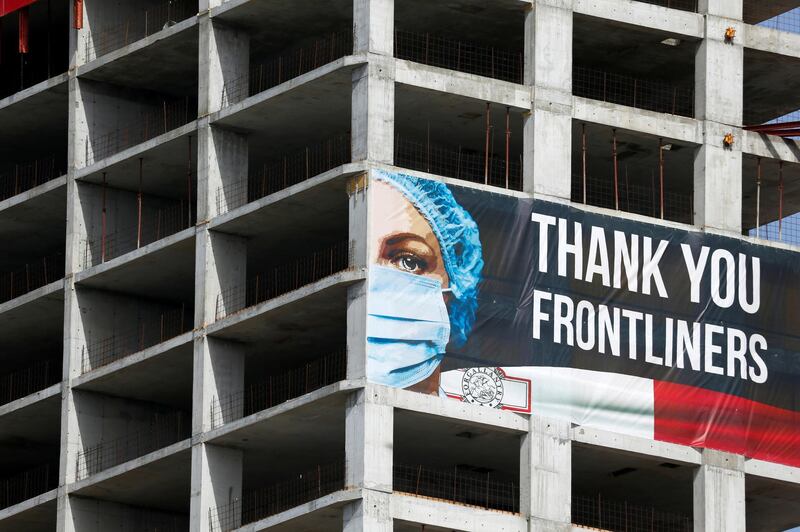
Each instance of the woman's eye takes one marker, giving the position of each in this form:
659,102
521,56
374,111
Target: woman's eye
409,263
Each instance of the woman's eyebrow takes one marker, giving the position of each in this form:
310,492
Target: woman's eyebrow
401,237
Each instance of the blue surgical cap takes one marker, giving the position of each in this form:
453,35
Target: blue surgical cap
458,238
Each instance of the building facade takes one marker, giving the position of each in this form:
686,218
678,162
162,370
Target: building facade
186,224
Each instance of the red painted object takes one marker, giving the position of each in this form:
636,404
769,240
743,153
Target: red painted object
24,23
9,6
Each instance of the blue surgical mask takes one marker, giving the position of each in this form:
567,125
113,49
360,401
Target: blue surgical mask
407,327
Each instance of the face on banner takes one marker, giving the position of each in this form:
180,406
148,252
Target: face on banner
533,306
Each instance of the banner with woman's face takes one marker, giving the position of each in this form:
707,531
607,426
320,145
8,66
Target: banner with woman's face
658,331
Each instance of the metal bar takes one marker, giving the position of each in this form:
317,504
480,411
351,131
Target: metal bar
139,207
780,201
486,153
758,200
583,157
764,128
103,224
189,184
508,139
616,168
661,176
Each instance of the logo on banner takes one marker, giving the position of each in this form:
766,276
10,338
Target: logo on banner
483,386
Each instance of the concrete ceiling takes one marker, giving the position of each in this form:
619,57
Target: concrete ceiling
164,169
311,112
165,379
33,330
164,484
767,92
454,121
304,325
40,127
771,505
166,274
756,11
770,202
30,436
291,443
443,444
635,51
637,479
40,518
278,24
33,229
498,23
176,74
637,158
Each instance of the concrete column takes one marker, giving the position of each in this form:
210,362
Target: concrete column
221,262
371,513
373,26
369,439
546,474
719,490
547,169
218,374
224,58
719,74
358,221
372,122
216,482
222,171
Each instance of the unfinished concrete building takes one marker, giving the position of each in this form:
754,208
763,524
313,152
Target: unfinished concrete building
184,248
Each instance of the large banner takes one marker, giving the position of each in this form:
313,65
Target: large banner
533,306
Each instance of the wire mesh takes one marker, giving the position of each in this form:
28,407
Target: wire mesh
148,332
154,121
620,89
457,485
285,171
140,519
164,429
285,278
31,276
458,55
772,15
599,512
28,484
25,381
263,502
156,224
683,5
16,179
141,24
279,388
288,64
459,163
634,198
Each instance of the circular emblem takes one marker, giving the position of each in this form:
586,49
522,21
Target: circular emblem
483,386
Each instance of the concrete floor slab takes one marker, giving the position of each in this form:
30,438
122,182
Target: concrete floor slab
161,270
307,318
161,374
34,515
173,49
159,480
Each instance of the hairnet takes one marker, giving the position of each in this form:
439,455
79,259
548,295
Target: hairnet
459,241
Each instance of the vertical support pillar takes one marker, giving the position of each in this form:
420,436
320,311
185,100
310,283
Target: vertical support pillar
369,437
216,485
719,73
372,126
547,158
546,474
719,490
